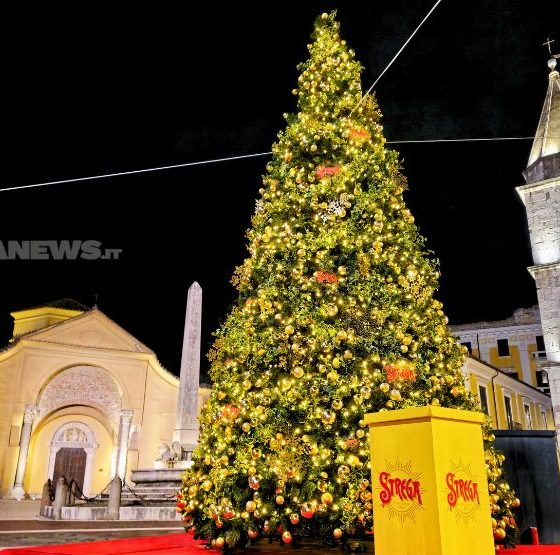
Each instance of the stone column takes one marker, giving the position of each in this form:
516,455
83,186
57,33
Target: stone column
186,423
122,442
29,415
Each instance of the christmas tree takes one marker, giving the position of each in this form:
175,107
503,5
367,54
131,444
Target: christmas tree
336,318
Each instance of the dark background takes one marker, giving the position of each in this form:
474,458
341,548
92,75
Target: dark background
93,88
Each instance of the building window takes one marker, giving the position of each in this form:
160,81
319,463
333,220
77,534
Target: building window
483,395
544,422
528,418
503,348
468,345
509,414
540,343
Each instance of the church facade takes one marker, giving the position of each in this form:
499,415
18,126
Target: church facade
79,395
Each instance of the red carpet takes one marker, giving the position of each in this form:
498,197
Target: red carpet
171,544
182,544
532,550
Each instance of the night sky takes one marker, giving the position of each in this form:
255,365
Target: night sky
93,88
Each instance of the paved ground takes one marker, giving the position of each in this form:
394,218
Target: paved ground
21,526
18,510
55,537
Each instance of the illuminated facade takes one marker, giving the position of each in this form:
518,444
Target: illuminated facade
512,404
541,197
77,390
513,345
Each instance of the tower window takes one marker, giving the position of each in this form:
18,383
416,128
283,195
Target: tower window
468,345
540,343
503,348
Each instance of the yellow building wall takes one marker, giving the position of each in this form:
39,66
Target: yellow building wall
532,348
142,384
511,361
40,449
500,407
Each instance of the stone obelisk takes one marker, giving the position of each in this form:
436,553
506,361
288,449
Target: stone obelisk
186,423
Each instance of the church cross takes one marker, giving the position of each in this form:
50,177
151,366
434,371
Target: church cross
548,42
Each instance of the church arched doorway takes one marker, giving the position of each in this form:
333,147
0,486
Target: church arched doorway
72,454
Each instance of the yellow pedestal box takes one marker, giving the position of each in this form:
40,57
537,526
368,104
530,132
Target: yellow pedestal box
430,492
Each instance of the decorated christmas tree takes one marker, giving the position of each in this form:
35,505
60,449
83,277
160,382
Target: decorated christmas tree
336,318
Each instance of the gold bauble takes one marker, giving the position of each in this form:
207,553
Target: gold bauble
343,470
298,372
207,485
337,363
516,502
279,499
327,498
246,426
341,335
328,417
250,506
289,329
219,542
395,395
337,404
332,310
332,376
342,270
337,533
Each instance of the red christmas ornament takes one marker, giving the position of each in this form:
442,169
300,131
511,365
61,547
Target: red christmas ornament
287,537
326,277
323,171
358,133
307,511
231,412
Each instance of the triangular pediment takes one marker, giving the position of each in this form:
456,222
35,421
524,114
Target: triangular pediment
91,329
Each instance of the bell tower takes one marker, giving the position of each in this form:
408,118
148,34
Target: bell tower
541,197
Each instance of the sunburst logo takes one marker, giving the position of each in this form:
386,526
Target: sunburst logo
462,491
400,490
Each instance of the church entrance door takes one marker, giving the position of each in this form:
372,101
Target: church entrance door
70,462
72,451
